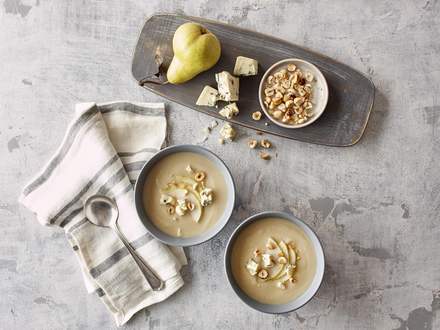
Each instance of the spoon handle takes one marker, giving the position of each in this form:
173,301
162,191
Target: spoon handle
155,282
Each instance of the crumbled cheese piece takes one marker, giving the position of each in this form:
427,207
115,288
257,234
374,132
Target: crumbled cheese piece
166,199
252,267
227,132
208,96
206,197
189,169
213,124
228,86
181,207
281,285
229,111
245,66
267,260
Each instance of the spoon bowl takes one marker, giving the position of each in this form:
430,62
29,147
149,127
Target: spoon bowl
102,211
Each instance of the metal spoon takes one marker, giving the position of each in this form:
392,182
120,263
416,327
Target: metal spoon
103,211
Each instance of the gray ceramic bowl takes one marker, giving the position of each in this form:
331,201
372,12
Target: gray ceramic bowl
301,300
184,241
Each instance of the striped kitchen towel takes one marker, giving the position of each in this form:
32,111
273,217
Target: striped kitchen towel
102,152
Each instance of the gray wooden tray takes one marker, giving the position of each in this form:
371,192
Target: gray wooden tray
351,94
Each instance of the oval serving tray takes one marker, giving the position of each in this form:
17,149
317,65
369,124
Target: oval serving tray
351,94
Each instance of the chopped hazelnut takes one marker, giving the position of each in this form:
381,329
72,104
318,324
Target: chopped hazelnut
264,155
265,143
256,115
263,274
199,176
252,143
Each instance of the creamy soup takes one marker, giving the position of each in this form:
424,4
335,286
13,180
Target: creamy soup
273,261
184,194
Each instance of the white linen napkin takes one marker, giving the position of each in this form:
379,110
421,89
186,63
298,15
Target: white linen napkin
102,152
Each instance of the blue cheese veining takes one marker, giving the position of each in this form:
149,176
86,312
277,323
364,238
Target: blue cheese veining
245,66
228,86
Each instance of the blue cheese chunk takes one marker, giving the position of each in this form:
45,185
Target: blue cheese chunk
267,260
208,97
181,207
245,66
252,267
228,86
229,111
206,197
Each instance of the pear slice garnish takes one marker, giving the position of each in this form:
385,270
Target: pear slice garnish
284,249
185,179
276,271
292,255
196,214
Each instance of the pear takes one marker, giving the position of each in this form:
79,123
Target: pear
195,50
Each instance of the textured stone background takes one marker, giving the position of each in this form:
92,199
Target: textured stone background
375,205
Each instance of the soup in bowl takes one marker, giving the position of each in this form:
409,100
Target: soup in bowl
184,195
274,262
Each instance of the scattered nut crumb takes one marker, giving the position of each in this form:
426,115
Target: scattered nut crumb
221,141
213,124
252,143
256,115
264,155
259,133
265,143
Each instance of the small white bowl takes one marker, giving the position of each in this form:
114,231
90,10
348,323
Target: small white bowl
319,94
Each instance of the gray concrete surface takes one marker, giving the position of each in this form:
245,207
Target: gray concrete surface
375,205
